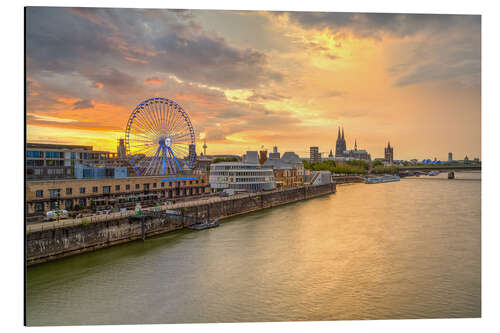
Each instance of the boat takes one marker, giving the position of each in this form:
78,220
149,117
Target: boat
383,179
204,225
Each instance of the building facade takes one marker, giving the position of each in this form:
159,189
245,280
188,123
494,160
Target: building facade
318,177
288,170
241,176
53,161
314,154
46,195
389,154
340,145
342,154
450,157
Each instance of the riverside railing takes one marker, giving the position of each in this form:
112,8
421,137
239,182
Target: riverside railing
51,225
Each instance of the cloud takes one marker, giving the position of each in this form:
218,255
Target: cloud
139,41
83,104
153,80
375,25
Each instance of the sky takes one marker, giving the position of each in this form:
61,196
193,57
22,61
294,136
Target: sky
249,79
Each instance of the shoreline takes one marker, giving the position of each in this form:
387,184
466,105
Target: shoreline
67,240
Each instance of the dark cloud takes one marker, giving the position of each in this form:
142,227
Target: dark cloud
376,24
76,40
83,104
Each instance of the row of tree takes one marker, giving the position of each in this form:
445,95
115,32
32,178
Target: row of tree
349,167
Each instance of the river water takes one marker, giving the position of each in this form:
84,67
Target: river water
408,249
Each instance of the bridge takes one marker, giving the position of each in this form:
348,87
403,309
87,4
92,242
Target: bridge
416,170
442,168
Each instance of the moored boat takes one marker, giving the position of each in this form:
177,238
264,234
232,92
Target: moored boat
205,225
383,179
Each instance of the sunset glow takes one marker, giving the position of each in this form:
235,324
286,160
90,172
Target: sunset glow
252,79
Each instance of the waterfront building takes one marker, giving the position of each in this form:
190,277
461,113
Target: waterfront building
450,157
52,161
69,194
318,177
288,170
314,154
241,176
389,154
203,162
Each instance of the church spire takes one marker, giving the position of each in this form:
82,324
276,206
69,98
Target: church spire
355,144
343,133
338,137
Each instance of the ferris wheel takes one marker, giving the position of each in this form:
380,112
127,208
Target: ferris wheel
159,138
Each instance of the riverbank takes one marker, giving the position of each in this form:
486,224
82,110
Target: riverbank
74,237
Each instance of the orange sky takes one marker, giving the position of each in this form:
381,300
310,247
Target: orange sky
252,79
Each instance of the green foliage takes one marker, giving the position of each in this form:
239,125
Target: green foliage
350,167
85,222
377,163
225,159
385,169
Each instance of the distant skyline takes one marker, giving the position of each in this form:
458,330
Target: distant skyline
250,79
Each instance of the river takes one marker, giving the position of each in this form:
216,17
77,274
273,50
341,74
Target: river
408,249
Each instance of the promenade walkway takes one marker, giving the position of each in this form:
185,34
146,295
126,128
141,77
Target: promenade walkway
50,225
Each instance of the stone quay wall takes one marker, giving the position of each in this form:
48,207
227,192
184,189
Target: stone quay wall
47,245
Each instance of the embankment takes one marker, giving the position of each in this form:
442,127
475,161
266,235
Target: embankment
59,242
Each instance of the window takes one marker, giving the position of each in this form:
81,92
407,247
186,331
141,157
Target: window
82,203
190,182
82,189
54,205
38,207
94,189
127,187
203,181
34,154
68,204
54,193
117,187
137,186
73,156
69,190
146,187
197,181
162,185
170,184
39,193
106,189
154,185
53,154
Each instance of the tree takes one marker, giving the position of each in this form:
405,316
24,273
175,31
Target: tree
225,159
